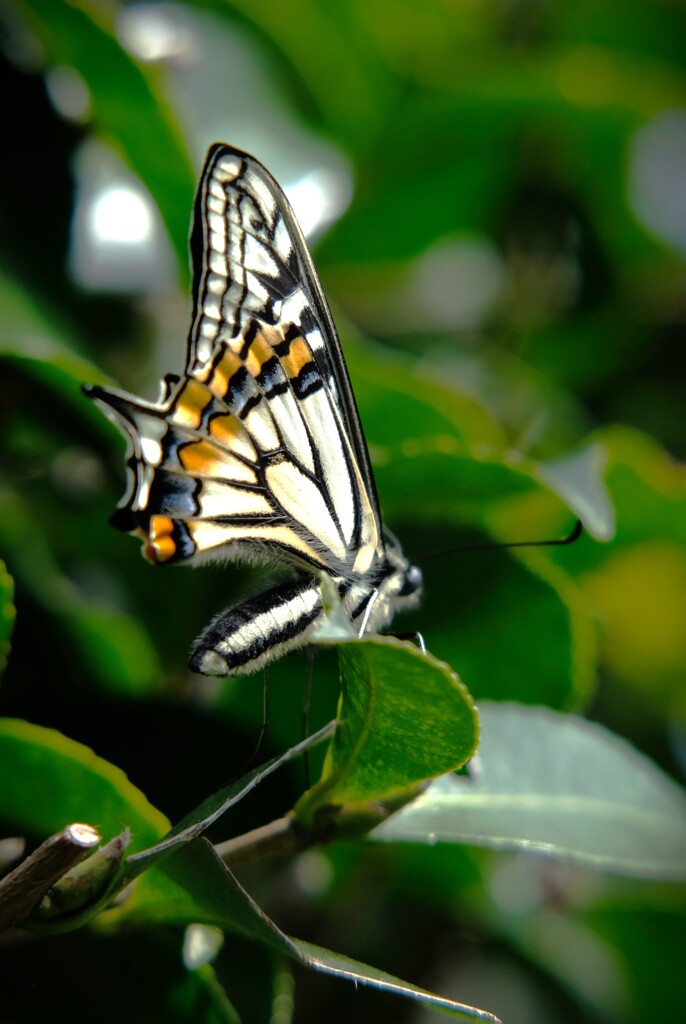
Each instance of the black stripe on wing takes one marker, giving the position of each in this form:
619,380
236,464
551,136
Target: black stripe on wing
295,274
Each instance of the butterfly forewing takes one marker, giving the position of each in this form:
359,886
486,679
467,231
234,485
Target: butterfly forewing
257,450
250,259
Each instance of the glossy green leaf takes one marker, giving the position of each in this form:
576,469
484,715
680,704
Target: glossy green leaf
442,479
559,785
7,613
404,717
50,781
114,645
192,886
315,43
129,104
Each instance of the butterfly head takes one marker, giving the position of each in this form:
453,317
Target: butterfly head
395,586
407,578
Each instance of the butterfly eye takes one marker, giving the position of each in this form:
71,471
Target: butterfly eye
413,581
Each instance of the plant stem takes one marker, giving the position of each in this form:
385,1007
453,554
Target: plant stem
276,839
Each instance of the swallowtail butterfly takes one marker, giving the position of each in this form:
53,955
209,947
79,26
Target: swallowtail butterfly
256,451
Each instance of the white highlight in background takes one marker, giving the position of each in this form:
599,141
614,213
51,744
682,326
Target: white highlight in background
120,214
319,198
657,183
118,242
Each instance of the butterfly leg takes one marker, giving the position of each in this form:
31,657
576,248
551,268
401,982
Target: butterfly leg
307,699
243,639
415,638
362,628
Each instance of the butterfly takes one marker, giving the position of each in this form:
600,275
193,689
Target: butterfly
256,452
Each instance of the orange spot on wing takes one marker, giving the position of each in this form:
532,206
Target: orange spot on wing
298,356
192,400
225,428
199,458
218,381
161,545
258,354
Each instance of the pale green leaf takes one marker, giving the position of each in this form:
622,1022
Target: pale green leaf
560,785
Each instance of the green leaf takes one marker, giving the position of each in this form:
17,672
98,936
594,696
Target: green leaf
192,886
517,627
43,347
7,613
635,585
488,625
320,45
578,480
113,644
386,381
404,717
50,781
201,818
559,785
129,104
440,478
647,485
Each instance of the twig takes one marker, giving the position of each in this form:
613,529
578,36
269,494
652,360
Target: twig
24,887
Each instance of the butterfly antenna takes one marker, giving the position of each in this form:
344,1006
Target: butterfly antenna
488,546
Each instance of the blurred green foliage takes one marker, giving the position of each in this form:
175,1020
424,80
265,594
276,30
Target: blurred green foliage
514,245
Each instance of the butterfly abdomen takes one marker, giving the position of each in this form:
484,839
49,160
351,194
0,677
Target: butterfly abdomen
282,619
245,638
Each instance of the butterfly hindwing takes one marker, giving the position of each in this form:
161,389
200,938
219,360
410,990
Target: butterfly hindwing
257,451
230,457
